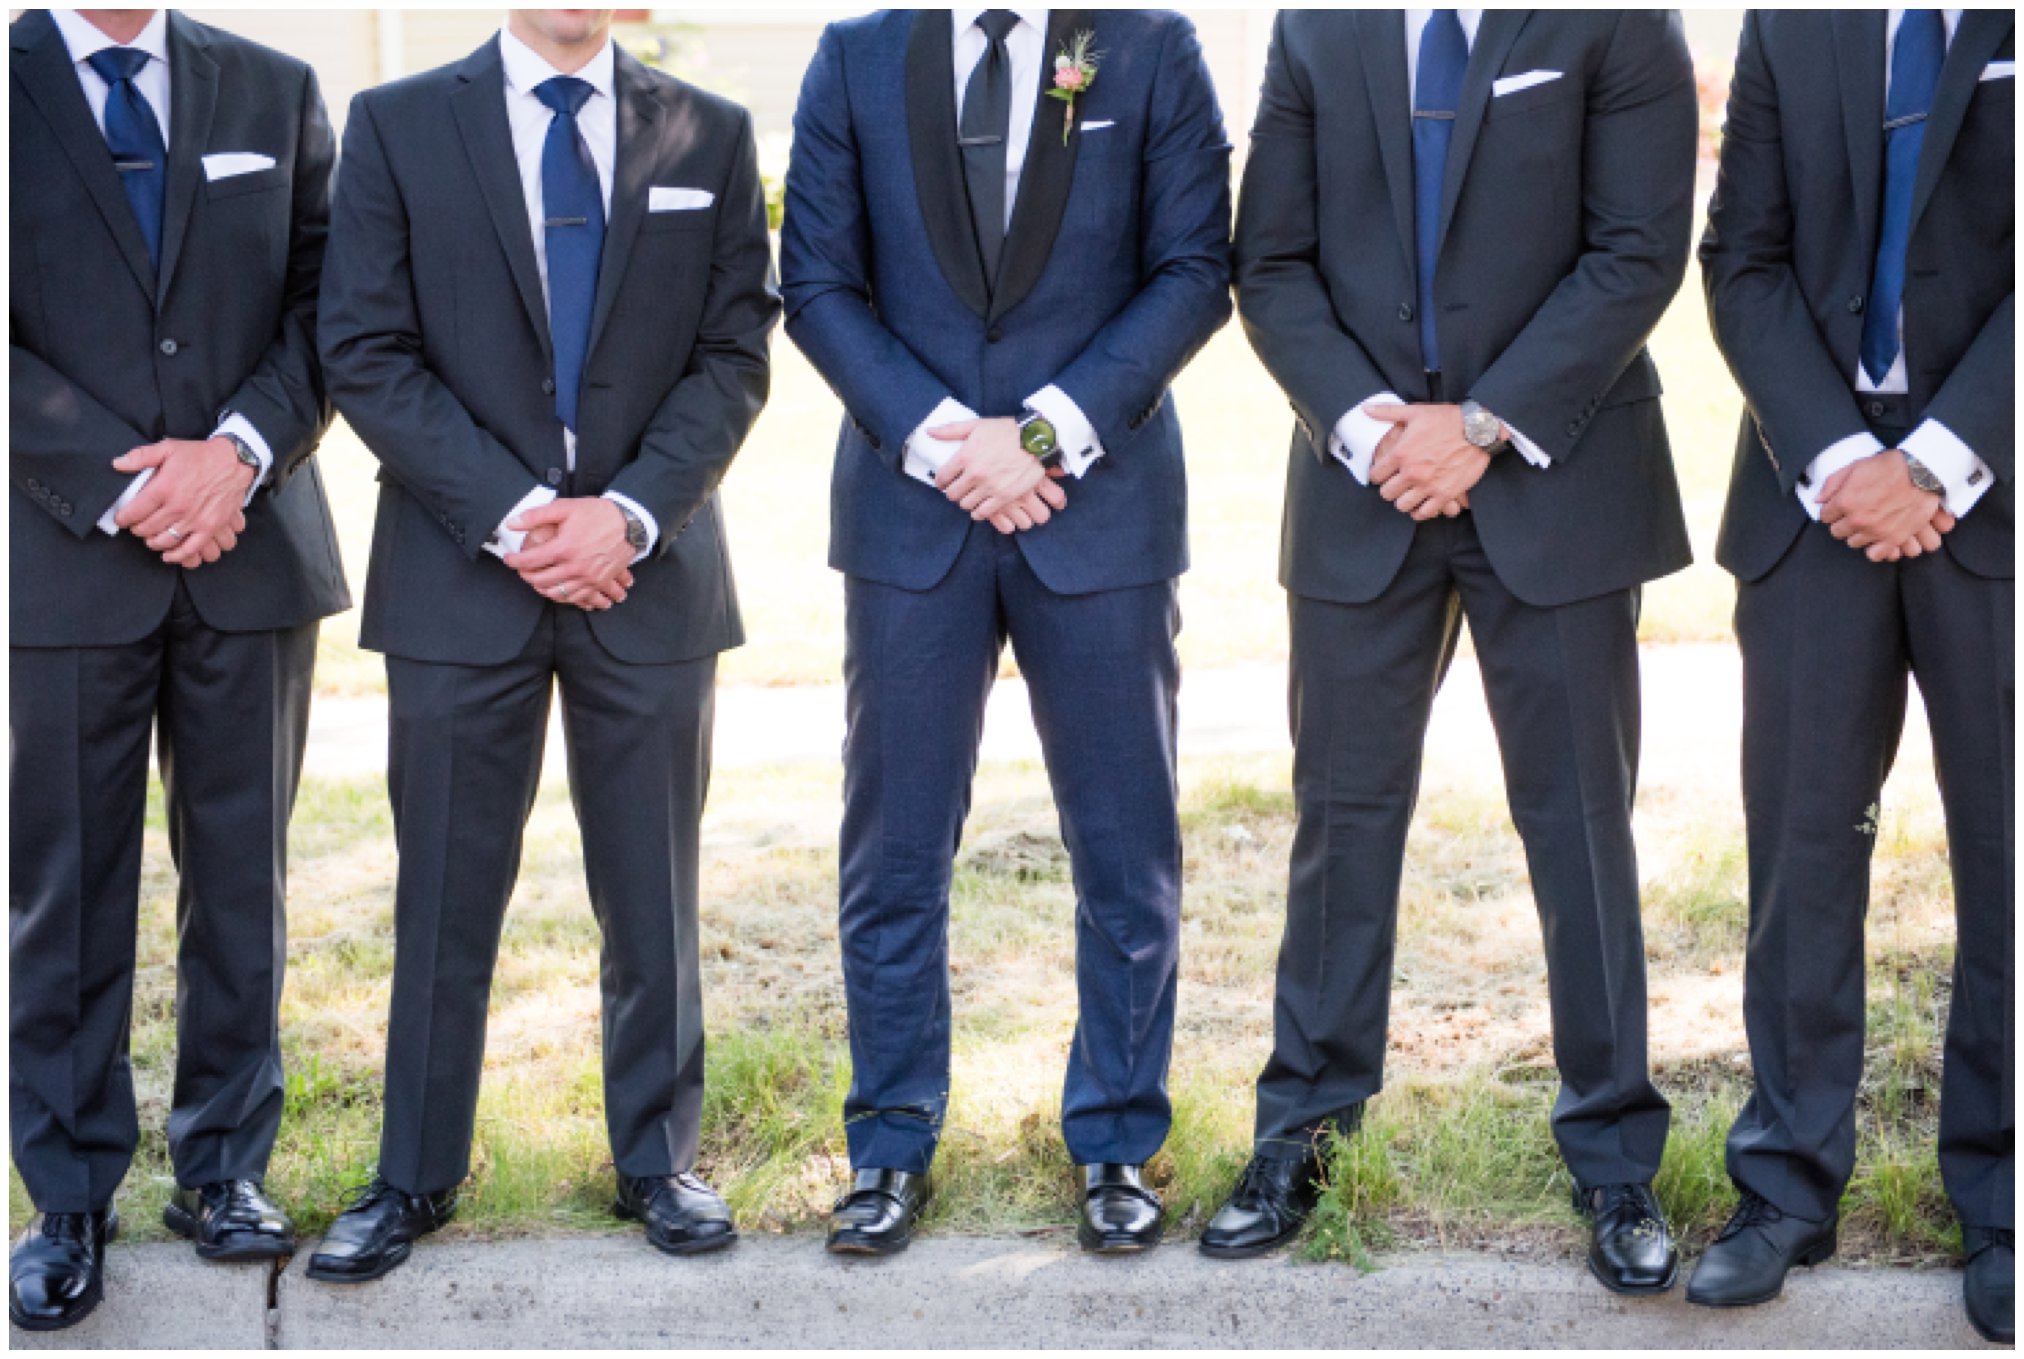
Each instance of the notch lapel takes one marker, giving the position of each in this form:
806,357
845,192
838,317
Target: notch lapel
938,168
1045,178
1382,45
639,147
1496,32
480,110
193,99
1858,60
1975,41
50,79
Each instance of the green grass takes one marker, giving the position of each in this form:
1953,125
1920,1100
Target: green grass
1455,1152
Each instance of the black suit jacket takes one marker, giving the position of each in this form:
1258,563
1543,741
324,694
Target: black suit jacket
435,339
103,357
1790,251
1567,215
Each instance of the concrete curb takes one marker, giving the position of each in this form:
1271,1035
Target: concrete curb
957,1293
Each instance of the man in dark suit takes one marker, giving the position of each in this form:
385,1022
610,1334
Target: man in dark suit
1860,278
549,297
171,555
1457,230
999,284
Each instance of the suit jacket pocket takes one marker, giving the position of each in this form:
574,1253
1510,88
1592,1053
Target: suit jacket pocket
257,181
679,219
1536,97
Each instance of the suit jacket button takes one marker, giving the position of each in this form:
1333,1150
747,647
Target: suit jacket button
1405,311
169,347
1855,303
63,510
994,335
548,386
1876,410
555,476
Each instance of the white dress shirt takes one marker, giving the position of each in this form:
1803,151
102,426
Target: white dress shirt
1356,435
1964,475
1026,46
528,118
83,39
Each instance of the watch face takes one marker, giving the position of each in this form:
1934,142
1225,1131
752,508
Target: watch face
1037,437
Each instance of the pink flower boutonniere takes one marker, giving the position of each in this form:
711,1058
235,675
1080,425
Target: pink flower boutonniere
1074,72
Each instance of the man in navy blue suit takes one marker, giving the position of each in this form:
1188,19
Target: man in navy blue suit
1006,232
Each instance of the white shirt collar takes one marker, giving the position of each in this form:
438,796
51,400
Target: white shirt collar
964,18
526,68
83,37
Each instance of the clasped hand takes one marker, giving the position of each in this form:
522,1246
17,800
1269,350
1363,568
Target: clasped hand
575,552
191,509
995,478
1424,466
1873,507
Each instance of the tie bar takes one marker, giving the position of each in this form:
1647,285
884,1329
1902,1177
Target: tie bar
1905,121
133,166
1434,113
566,221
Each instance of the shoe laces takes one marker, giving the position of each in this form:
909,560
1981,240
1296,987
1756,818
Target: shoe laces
1752,1210
1259,1186
365,1195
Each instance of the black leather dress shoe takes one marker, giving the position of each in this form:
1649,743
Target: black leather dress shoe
1271,1203
230,1220
1989,1285
376,1230
1120,1216
877,1216
683,1216
56,1274
1747,1263
1630,1248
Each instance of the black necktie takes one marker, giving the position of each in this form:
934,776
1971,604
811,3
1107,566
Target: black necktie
135,139
982,132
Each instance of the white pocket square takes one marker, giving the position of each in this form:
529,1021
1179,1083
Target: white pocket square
1099,125
678,200
1999,70
1513,84
226,164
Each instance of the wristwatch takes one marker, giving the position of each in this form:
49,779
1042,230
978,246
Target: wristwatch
1482,429
1923,477
243,451
635,530
1037,436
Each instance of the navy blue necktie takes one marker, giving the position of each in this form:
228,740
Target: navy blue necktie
573,208
1916,58
1437,89
135,138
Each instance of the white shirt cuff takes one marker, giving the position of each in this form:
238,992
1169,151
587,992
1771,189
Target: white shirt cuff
1965,476
1830,460
238,424
640,511
1527,450
1356,436
927,456
504,541
109,521
1074,435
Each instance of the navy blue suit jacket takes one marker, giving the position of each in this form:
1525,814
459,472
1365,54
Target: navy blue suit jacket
1115,271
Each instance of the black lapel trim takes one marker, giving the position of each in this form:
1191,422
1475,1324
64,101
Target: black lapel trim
639,145
480,109
1047,175
1382,45
1496,32
1858,59
193,98
1980,34
938,166
48,75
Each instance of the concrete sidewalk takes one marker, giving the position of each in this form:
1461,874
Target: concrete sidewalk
958,1293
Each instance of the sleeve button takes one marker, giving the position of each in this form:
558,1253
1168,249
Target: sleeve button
169,347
